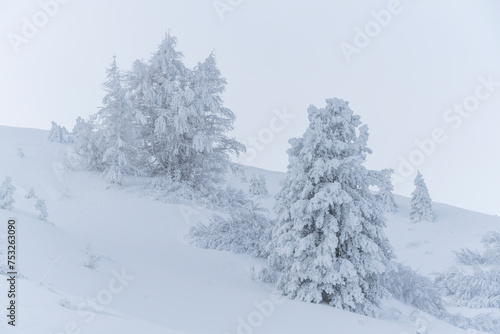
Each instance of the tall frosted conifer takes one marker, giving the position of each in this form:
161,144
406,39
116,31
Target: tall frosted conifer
329,243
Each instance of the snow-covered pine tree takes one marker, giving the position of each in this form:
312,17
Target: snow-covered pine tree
382,179
117,126
257,186
210,123
329,243
263,186
89,143
6,193
78,128
253,188
41,207
157,91
57,133
421,204
30,194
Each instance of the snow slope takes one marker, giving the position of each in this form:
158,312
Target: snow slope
151,280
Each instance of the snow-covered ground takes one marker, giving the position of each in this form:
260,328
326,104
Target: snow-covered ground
150,279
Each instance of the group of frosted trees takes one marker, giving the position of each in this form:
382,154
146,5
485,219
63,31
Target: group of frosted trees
160,118
328,244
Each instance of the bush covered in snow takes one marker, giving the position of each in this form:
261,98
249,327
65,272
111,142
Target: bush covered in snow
411,288
225,199
472,287
485,323
475,281
242,231
92,259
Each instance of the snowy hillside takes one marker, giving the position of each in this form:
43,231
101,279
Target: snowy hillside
112,259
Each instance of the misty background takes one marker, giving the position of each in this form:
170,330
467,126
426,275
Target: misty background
281,57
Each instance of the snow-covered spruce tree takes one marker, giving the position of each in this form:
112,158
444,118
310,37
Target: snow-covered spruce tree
117,126
41,207
57,133
421,204
244,230
329,243
210,123
157,92
183,122
30,194
257,186
382,180
89,143
475,281
6,193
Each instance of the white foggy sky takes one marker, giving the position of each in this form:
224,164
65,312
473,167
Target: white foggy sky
285,54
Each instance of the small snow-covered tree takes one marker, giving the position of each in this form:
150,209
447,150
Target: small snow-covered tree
263,186
20,153
117,124
30,194
382,180
41,207
258,186
89,143
253,188
93,259
57,133
329,242
244,230
6,193
421,204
